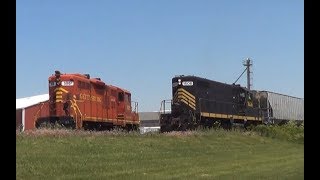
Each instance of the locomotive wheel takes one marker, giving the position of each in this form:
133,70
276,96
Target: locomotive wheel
248,125
164,128
184,125
226,124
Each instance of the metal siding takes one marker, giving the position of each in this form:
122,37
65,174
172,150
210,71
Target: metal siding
34,112
149,116
286,107
18,118
149,119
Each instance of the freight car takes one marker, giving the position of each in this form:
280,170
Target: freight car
78,101
198,101
279,108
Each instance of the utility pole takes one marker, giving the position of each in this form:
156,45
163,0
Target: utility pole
248,63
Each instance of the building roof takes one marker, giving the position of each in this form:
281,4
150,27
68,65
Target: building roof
29,101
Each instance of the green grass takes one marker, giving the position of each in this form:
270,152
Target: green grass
192,155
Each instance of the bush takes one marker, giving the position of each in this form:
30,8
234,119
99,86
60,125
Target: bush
290,131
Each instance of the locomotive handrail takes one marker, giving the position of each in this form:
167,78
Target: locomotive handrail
135,109
226,103
163,104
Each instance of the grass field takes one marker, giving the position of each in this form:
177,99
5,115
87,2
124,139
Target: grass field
216,154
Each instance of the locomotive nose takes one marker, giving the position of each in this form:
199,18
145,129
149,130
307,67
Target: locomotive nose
60,103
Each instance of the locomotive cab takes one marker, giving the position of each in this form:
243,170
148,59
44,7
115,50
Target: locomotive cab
125,109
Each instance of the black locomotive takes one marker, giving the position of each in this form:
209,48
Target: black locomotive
198,101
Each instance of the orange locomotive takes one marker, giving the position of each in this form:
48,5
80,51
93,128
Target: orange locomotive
77,101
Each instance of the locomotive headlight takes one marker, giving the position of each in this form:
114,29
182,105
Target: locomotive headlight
179,81
58,81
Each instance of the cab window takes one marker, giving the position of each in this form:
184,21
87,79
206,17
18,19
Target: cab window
120,96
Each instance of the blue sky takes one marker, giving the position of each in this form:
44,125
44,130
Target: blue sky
140,45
